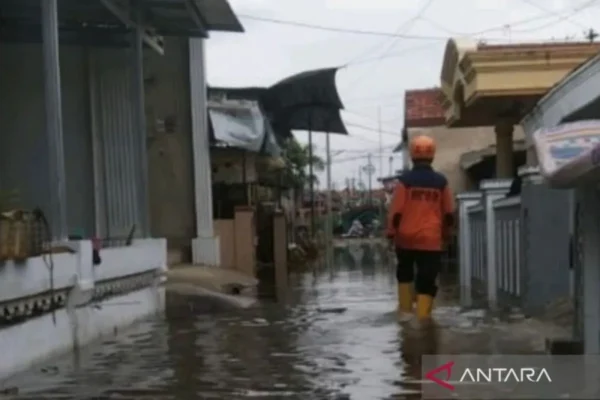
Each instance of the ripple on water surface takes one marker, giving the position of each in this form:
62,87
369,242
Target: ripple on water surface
336,338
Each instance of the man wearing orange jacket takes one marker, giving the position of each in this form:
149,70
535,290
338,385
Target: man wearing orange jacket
420,214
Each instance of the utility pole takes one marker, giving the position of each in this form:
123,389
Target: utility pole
329,216
360,183
370,170
311,183
380,142
391,166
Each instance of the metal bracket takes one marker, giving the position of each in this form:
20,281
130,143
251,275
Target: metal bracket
155,42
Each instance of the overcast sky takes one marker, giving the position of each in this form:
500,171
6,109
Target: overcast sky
379,68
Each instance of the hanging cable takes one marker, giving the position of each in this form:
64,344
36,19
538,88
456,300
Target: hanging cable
306,25
402,29
368,128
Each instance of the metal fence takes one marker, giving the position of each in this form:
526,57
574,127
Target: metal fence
507,213
514,250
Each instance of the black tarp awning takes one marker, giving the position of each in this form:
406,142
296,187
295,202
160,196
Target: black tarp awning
310,118
305,101
309,88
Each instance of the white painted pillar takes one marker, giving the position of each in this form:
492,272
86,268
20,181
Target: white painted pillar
492,189
205,247
465,242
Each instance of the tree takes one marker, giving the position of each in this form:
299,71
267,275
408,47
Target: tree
298,159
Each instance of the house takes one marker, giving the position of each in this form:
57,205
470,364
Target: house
485,91
82,122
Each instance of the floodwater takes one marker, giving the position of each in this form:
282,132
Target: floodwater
335,336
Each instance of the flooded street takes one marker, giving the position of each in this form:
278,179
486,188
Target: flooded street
336,336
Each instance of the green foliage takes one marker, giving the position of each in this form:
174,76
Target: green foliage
298,159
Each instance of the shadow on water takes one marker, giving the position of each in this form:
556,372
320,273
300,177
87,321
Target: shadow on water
335,336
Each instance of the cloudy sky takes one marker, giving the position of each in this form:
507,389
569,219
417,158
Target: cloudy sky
379,66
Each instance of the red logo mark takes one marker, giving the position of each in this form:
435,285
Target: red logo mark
431,375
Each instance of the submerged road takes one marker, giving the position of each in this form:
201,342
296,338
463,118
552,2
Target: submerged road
336,336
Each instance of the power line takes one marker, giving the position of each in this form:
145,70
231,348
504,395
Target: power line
361,151
369,128
559,14
401,53
356,158
379,97
307,25
402,29
371,118
561,18
344,30
549,11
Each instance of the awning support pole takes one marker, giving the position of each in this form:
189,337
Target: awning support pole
311,180
329,218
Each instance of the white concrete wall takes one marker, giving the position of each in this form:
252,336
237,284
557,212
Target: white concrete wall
79,322
35,340
33,277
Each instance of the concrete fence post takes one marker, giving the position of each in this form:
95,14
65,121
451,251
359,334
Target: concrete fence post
492,189
465,262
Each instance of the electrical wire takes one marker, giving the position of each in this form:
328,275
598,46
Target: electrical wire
327,28
378,97
562,17
356,158
369,128
402,29
360,151
549,11
345,30
395,54
370,117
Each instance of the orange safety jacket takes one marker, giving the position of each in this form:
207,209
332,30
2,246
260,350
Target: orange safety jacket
421,210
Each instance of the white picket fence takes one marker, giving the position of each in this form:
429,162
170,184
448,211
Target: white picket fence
490,244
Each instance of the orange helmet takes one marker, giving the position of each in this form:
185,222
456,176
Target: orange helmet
422,148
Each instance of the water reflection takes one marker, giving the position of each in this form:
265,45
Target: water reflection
336,337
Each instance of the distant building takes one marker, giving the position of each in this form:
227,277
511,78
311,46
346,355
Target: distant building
426,116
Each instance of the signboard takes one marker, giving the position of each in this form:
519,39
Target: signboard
569,154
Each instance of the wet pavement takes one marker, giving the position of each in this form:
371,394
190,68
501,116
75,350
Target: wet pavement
335,336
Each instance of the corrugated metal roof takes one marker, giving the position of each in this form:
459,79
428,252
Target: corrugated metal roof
219,15
164,17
